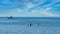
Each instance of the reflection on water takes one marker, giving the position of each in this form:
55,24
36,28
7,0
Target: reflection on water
17,29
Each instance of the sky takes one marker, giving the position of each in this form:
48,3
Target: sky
30,8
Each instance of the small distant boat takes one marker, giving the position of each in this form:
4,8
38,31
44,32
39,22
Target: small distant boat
10,17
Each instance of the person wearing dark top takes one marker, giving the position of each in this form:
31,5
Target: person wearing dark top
30,25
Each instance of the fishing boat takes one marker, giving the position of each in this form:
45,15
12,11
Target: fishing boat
10,17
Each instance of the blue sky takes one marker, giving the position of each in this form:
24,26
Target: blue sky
30,8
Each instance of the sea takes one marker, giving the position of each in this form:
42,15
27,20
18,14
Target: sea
30,25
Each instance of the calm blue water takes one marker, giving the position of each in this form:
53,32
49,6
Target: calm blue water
33,20
20,25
